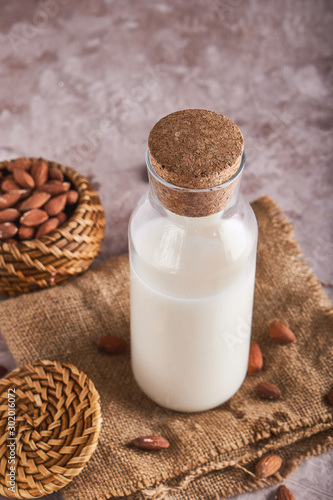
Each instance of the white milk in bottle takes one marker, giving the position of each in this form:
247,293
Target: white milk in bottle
192,263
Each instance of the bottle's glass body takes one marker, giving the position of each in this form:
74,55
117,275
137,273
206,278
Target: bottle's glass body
192,287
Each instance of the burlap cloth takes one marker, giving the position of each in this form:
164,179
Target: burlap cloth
206,449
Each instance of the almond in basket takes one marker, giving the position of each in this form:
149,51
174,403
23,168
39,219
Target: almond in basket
35,199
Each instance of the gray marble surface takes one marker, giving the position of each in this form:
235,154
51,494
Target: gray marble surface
82,82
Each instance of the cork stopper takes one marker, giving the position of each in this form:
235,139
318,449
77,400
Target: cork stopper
194,151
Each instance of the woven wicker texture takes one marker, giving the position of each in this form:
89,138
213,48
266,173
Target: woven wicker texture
67,251
57,424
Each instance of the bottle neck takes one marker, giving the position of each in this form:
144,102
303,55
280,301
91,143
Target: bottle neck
193,202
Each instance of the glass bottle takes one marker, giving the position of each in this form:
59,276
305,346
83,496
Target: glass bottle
192,286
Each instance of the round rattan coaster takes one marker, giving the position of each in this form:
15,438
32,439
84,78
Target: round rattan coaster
50,419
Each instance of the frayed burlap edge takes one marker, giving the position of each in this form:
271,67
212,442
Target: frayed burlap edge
164,491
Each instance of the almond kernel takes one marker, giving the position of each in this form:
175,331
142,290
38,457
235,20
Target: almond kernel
268,466
111,345
7,230
266,390
255,359
34,217
281,333
150,443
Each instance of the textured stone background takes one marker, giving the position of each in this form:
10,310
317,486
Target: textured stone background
82,82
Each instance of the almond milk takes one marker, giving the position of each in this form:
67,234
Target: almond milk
191,310
192,264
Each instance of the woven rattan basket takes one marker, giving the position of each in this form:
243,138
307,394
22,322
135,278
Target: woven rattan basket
67,251
50,420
